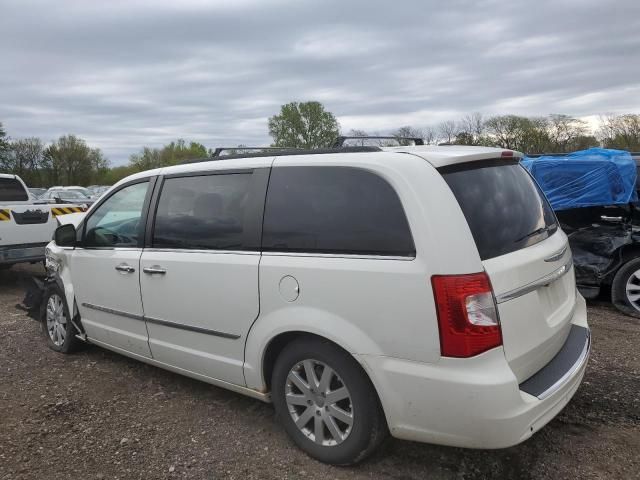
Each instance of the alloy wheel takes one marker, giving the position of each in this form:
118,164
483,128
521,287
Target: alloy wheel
633,290
319,402
56,320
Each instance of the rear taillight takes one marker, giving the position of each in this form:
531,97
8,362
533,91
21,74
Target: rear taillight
467,315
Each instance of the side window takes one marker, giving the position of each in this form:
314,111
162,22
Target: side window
203,212
116,223
11,190
338,210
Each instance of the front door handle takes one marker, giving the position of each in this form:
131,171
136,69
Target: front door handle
124,268
155,270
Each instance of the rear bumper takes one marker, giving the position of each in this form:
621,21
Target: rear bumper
474,403
30,252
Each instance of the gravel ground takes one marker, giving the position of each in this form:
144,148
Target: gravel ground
96,415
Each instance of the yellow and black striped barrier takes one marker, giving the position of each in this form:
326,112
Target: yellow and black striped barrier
5,215
65,210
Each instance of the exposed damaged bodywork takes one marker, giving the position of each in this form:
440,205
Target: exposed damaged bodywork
602,239
595,196
35,292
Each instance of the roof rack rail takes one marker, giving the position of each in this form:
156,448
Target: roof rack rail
341,139
219,150
281,152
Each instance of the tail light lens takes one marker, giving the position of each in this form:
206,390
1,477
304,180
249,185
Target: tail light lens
467,315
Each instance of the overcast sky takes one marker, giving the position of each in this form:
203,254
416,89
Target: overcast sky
123,74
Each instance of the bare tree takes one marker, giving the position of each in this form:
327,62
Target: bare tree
357,133
620,131
448,131
430,135
407,132
563,132
471,127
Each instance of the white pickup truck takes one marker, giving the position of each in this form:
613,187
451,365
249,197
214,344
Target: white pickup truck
26,225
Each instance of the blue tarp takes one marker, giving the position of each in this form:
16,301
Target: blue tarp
586,178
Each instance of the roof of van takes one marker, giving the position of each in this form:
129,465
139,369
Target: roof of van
440,156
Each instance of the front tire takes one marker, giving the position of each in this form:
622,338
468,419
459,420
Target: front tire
56,321
625,289
326,402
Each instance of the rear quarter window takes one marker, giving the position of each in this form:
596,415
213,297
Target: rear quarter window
334,210
504,207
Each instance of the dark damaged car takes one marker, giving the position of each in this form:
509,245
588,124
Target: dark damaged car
595,196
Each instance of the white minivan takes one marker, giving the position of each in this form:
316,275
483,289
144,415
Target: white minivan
425,292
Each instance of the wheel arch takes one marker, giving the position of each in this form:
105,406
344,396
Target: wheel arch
278,343
270,334
626,253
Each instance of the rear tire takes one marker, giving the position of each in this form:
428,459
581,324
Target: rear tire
338,417
625,289
56,321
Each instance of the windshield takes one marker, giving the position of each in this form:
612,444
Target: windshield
504,207
67,194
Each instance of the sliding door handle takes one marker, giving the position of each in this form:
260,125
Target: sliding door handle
155,270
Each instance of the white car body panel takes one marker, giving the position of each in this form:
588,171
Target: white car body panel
536,324
221,289
470,404
379,309
115,291
25,242
441,156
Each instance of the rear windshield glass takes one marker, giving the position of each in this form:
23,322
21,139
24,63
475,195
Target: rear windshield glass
503,205
11,190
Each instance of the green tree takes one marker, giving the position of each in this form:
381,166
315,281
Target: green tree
29,161
303,125
465,138
115,174
525,134
583,142
73,162
171,154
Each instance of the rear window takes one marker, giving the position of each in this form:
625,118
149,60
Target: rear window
335,210
503,205
11,190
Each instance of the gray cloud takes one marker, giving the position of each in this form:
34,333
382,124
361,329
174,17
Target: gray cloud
124,74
